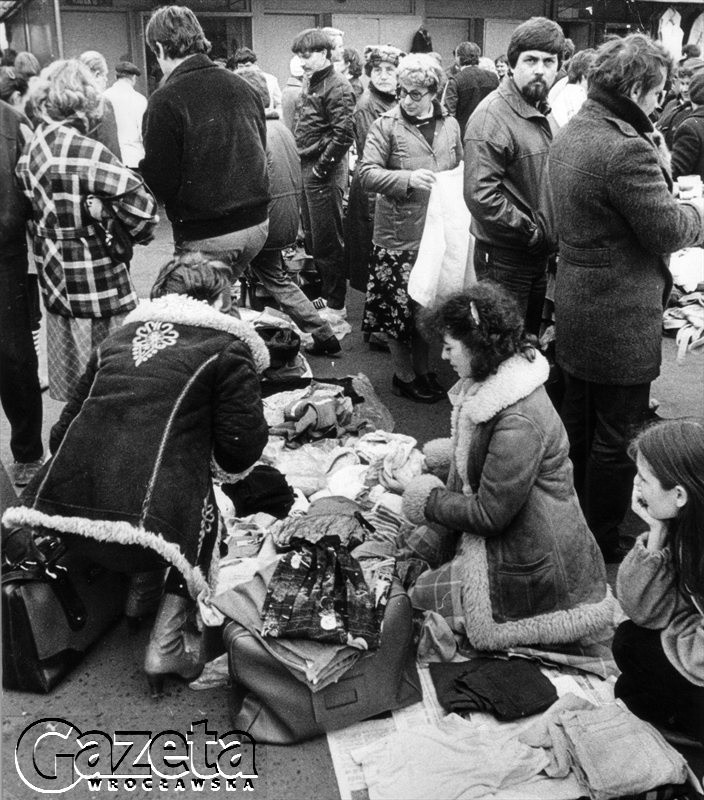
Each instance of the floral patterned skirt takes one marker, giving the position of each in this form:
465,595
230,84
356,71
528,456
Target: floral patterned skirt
388,308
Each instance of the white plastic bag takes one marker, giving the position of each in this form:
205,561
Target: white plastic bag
445,262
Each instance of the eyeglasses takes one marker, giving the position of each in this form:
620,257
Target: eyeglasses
414,94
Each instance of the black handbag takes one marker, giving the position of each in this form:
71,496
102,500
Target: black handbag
274,707
113,232
55,605
117,238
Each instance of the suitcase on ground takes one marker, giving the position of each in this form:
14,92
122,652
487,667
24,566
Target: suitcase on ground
55,605
274,707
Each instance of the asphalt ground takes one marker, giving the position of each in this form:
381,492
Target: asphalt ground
107,691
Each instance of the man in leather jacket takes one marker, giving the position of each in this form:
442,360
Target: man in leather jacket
505,180
324,133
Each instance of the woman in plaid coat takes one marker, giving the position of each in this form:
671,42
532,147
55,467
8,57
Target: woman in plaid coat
512,559
66,176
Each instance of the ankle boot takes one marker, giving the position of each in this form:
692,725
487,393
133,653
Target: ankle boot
143,596
172,650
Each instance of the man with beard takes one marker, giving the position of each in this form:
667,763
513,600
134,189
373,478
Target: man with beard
506,187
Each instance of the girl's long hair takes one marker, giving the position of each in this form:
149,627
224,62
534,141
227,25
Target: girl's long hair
674,451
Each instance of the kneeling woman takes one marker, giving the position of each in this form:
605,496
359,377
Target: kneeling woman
169,398
660,584
512,559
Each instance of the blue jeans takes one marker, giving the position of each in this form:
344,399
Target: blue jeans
523,275
321,215
268,269
601,420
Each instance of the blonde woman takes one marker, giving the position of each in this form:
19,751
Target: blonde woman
66,176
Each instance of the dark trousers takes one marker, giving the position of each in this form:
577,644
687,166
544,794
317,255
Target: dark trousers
651,687
321,215
267,267
524,276
601,420
20,394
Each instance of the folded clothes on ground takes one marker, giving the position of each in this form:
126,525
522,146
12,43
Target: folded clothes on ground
313,663
451,760
614,753
507,689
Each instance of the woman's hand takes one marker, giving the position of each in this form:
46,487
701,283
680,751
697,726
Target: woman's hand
657,533
421,179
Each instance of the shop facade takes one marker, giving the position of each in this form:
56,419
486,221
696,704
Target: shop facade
65,28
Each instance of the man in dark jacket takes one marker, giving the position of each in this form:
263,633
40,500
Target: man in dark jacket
679,108
617,222
284,217
506,187
688,145
468,87
19,385
204,142
324,134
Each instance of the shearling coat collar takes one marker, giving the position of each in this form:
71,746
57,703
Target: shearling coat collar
183,310
516,378
475,403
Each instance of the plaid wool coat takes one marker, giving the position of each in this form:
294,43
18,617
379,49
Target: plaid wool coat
58,169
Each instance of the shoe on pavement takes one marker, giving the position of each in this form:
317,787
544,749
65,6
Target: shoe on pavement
324,347
415,390
23,472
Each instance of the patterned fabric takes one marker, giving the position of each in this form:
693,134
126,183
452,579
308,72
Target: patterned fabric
57,171
318,592
150,338
70,341
388,307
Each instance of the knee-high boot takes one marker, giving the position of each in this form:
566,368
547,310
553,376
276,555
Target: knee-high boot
172,650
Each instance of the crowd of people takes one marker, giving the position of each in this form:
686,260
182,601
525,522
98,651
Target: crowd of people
569,160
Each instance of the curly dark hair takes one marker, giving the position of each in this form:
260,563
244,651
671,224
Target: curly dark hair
486,319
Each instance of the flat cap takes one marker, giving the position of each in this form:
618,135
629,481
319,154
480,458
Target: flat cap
127,68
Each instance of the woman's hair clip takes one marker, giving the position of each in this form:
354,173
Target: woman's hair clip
474,313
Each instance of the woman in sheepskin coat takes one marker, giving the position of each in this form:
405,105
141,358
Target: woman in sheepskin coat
168,401
512,560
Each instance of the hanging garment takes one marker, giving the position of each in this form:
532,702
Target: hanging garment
670,33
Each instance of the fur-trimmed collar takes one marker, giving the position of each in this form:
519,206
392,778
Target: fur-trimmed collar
516,378
184,310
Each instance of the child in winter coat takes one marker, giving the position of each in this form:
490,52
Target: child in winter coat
660,650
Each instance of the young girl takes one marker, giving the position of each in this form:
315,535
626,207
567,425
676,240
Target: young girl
660,650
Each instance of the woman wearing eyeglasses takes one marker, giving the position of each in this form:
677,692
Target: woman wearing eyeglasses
404,149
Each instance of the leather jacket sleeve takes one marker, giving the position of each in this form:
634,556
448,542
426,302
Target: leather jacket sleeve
373,172
511,467
487,196
339,105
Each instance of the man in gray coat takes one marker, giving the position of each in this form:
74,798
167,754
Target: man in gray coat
617,223
506,188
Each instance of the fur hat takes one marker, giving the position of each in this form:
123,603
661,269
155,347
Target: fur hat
696,88
375,54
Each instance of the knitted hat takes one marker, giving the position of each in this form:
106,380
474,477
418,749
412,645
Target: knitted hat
696,88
